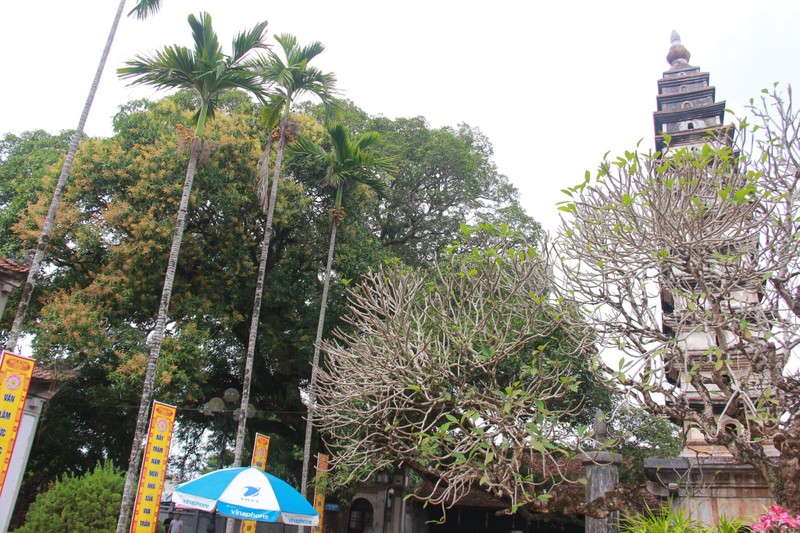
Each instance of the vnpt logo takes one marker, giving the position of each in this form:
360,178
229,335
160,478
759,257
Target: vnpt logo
251,491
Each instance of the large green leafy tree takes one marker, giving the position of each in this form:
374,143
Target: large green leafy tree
445,176
99,300
448,178
208,72
289,76
346,165
102,294
142,9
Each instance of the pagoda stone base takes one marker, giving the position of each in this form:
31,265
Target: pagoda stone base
709,488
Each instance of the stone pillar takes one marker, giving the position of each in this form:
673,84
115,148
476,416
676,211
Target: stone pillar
19,458
5,290
602,475
45,384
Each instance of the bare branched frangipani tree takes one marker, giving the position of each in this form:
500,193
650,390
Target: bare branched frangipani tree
709,235
467,374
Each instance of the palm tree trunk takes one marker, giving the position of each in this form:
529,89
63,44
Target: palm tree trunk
58,193
254,320
262,269
262,187
156,338
312,397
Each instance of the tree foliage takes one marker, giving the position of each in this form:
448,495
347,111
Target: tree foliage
207,72
444,177
95,305
467,373
712,233
79,504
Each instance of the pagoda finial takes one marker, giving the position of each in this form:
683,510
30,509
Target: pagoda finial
678,54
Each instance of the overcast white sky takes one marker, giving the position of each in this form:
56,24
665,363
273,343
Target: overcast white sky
554,85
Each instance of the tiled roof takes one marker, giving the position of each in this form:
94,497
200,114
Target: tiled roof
50,374
8,264
45,374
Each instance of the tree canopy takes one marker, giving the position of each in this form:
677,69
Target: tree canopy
96,302
470,373
712,233
444,178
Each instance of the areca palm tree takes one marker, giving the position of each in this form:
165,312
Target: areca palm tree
142,9
289,76
347,164
208,72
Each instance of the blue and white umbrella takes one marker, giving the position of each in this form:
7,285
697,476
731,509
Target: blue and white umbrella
248,494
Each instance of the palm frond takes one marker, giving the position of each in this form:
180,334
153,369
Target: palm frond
272,110
385,167
367,140
145,8
287,69
234,78
288,43
313,80
206,69
340,142
172,67
375,183
247,41
207,49
304,148
310,51
323,86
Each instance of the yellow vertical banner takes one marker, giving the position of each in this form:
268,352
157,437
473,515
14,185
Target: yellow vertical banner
319,496
154,469
259,460
260,452
15,380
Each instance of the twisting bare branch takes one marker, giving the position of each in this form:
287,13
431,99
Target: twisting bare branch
467,374
687,265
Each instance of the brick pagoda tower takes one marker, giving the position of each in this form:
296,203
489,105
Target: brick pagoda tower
704,480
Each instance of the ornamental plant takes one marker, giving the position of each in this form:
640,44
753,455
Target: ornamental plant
668,519
664,520
777,520
78,504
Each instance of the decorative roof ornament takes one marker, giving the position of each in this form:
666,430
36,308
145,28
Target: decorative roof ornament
678,55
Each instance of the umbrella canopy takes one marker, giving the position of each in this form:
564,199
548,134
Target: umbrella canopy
249,494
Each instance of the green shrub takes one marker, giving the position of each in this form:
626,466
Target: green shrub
729,526
665,520
85,504
670,520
